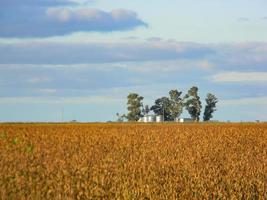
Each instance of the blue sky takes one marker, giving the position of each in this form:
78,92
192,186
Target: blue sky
84,56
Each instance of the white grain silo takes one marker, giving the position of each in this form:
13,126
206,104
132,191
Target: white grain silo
145,119
159,118
183,120
151,118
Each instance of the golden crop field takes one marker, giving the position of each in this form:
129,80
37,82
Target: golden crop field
133,161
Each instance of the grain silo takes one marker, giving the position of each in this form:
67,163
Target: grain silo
159,118
145,119
151,118
183,120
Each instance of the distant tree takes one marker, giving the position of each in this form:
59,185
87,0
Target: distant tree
211,101
192,103
176,104
163,107
145,110
120,118
134,107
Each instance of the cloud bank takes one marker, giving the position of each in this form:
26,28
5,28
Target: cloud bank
22,19
239,57
92,52
240,77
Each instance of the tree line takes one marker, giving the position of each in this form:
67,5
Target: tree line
171,107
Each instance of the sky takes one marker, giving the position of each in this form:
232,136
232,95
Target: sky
79,59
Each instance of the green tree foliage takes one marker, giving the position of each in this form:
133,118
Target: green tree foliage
211,101
176,104
134,107
120,118
193,103
163,107
145,110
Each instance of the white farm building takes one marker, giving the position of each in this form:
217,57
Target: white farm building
159,118
183,120
151,118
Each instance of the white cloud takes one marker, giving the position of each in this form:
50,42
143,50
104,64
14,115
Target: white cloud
240,77
224,56
27,52
243,19
61,14
245,101
46,91
54,20
61,100
164,66
87,14
205,64
38,79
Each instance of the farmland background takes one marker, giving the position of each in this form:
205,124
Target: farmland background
133,161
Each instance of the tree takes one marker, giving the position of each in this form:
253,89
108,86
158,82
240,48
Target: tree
134,107
193,103
176,104
210,107
163,107
145,110
120,118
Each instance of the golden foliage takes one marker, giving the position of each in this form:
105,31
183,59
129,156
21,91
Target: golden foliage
133,161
